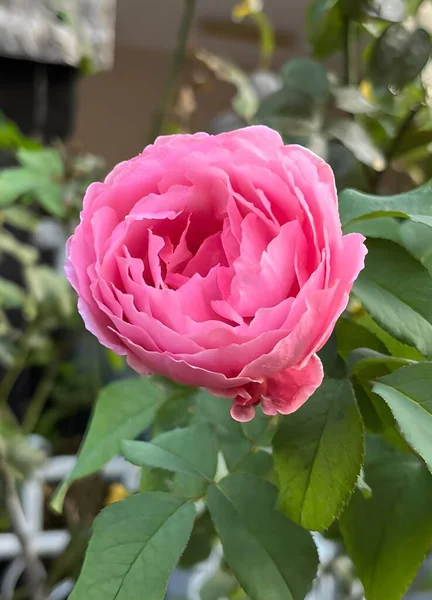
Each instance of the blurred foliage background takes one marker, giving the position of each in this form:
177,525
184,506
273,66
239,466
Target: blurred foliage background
362,100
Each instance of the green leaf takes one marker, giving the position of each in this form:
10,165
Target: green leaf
41,169
388,535
16,452
46,162
351,335
123,410
408,394
398,56
413,6
237,441
246,100
329,358
355,138
7,351
258,463
271,557
21,457
394,347
365,370
192,451
11,137
365,401
289,102
216,412
155,480
417,239
24,253
353,9
351,100
11,294
413,139
15,182
396,290
415,205
364,360
20,217
235,452
50,291
318,453
200,543
9,427
385,228
308,76
135,546
324,27
50,196
260,430
177,411
187,486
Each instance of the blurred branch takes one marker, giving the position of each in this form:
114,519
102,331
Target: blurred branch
267,39
39,399
394,144
175,70
348,58
10,377
36,575
40,86
266,36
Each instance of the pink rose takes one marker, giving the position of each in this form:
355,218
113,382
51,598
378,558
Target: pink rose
217,261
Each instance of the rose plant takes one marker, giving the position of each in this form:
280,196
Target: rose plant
281,333
223,265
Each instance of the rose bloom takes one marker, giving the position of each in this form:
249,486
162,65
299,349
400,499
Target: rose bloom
217,261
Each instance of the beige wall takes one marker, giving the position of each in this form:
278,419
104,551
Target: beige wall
115,108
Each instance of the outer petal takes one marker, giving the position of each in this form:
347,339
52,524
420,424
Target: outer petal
282,393
304,158
288,390
145,362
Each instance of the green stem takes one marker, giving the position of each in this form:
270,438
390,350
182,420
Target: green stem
346,52
39,399
175,70
267,39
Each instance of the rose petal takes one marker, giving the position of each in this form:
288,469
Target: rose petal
289,389
268,282
241,413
